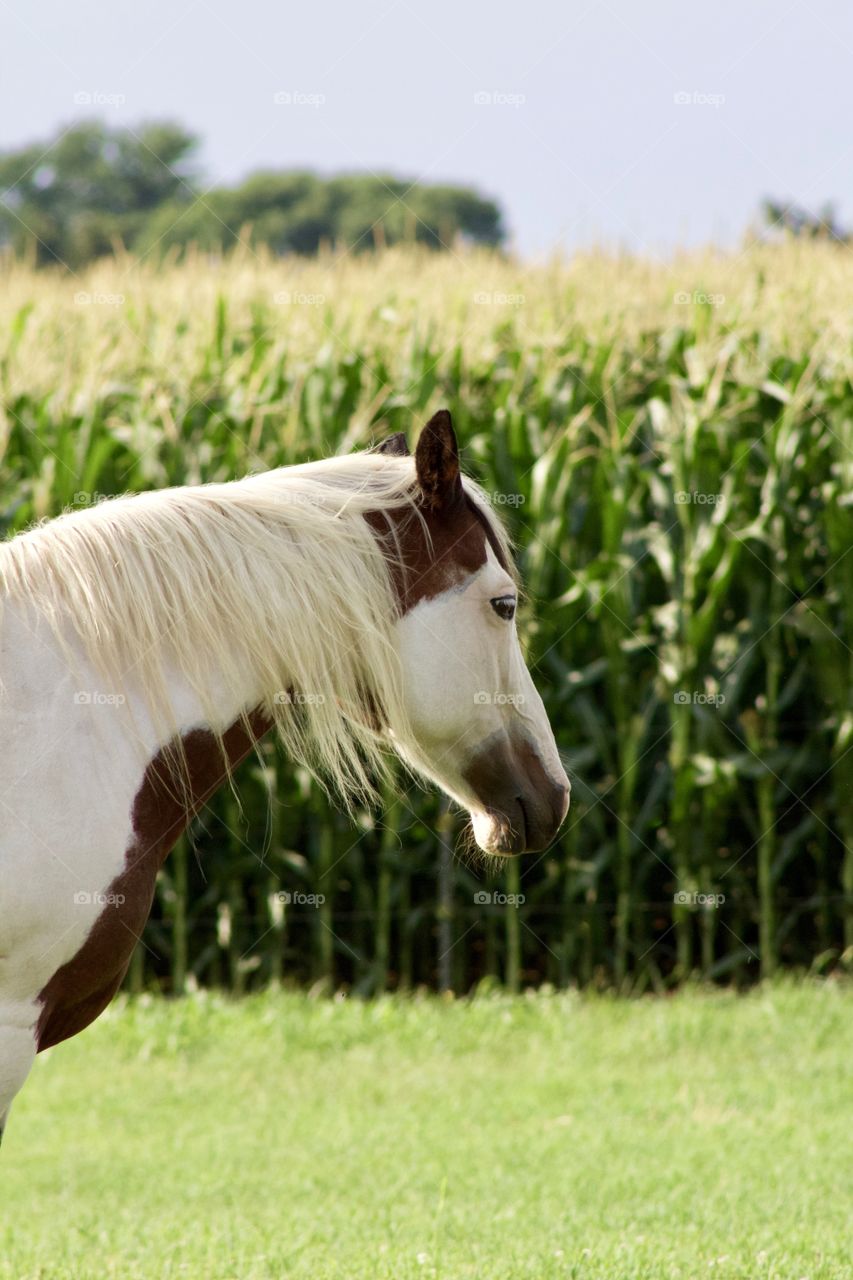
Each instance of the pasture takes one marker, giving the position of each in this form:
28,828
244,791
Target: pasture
542,1136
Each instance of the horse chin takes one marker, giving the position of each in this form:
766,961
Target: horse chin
500,834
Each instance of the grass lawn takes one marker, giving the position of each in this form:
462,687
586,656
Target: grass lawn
703,1135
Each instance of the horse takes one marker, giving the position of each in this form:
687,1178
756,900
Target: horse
359,606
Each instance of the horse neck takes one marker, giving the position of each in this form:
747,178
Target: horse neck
136,729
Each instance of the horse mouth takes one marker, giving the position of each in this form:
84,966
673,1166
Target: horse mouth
519,806
507,835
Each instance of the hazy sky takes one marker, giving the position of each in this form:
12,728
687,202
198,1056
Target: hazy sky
580,135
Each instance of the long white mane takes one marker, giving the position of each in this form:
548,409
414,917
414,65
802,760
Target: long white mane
275,582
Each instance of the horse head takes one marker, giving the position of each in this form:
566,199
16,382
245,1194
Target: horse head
476,724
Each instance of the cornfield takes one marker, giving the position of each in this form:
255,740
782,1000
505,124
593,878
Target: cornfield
672,449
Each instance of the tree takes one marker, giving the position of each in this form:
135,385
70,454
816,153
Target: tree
92,188
74,198
800,222
297,212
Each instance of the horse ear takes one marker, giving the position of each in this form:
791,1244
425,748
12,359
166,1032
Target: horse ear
437,463
396,444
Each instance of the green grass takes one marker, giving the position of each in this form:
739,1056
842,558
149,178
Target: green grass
555,1135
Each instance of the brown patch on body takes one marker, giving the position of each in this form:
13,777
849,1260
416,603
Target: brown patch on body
164,805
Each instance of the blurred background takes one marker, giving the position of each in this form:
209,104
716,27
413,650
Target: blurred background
615,243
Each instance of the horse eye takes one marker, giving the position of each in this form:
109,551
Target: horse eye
504,607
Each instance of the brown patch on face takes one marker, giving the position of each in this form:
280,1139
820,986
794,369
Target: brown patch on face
426,558
446,540
84,986
491,536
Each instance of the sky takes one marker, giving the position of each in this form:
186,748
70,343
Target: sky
649,127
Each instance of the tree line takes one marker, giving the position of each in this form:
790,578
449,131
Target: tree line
92,189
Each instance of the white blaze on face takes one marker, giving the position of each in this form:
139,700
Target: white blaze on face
467,686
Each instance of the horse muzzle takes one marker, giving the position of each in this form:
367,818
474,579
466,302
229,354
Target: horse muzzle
520,805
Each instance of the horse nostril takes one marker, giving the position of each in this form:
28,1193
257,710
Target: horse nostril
525,824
